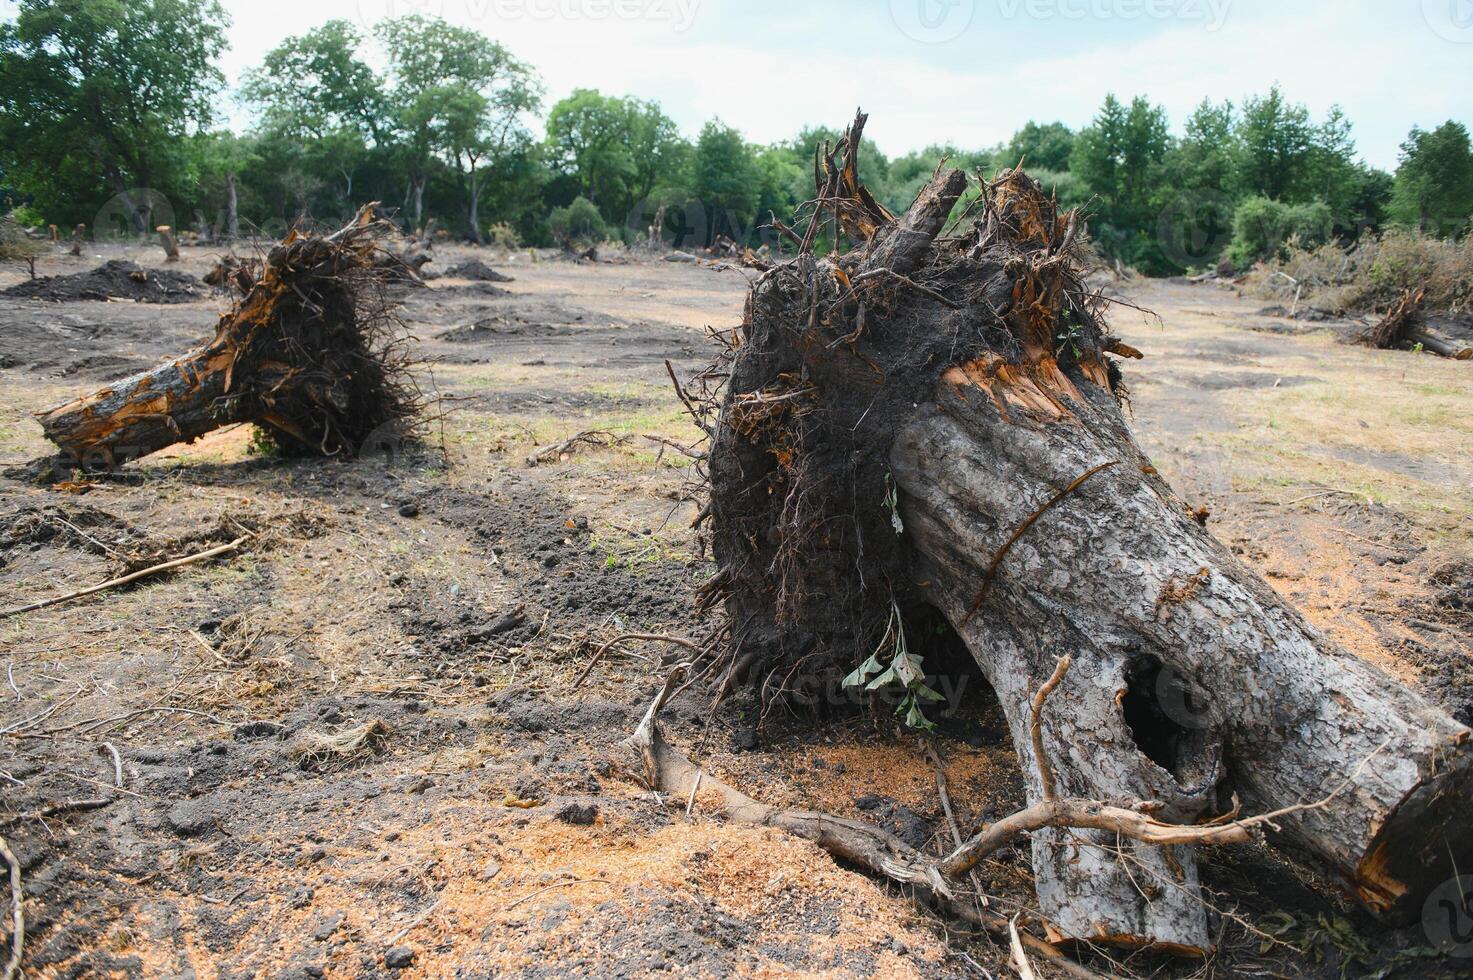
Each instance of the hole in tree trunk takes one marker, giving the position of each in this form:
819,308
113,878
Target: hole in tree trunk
1156,723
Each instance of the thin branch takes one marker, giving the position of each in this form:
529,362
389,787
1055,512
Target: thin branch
1022,529
1035,725
17,912
114,583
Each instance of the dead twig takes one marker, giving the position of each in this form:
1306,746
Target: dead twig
1019,957
589,437
145,573
1035,725
65,806
908,281
112,750
560,884
17,912
627,637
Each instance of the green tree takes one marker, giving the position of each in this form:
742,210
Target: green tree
618,151
588,136
1434,180
1042,147
1276,146
435,71
315,84
101,97
1119,157
725,181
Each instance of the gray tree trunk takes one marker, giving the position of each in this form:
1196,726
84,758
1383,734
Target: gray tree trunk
962,381
232,212
1237,693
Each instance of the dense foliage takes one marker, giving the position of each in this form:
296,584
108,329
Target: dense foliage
107,110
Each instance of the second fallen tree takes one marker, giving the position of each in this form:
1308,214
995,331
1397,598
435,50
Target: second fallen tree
922,435
309,354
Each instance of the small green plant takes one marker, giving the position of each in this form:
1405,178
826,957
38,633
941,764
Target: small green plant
1069,335
892,663
892,503
261,443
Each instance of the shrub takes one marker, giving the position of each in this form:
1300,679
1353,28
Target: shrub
577,224
1372,275
16,245
503,235
28,217
1264,228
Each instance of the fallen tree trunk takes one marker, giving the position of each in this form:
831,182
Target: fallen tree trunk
1405,327
924,432
308,354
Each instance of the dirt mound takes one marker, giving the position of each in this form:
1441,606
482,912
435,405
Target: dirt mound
477,271
117,279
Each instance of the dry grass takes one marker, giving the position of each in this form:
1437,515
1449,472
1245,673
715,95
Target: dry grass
1373,274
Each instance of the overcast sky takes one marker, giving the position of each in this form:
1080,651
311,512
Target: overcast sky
967,72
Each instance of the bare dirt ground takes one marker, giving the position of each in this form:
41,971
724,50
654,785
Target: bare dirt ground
431,608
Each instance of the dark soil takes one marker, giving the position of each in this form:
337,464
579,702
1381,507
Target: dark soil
476,270
114,280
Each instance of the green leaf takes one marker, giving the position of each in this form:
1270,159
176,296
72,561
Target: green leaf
864,671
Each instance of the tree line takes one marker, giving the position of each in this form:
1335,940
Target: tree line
113,106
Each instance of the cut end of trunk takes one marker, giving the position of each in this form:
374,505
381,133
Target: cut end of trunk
1425,842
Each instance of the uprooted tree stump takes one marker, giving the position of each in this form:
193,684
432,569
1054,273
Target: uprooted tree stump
310,354
924,431
1405,326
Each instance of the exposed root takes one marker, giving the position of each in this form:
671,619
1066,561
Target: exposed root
320,751
589,437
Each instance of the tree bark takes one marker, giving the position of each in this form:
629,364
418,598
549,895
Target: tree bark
417,198
169,242
232,211
1238,694
78,234
929,425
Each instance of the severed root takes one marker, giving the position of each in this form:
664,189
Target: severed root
668,770
589,437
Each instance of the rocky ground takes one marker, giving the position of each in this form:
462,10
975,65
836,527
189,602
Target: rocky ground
357,748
